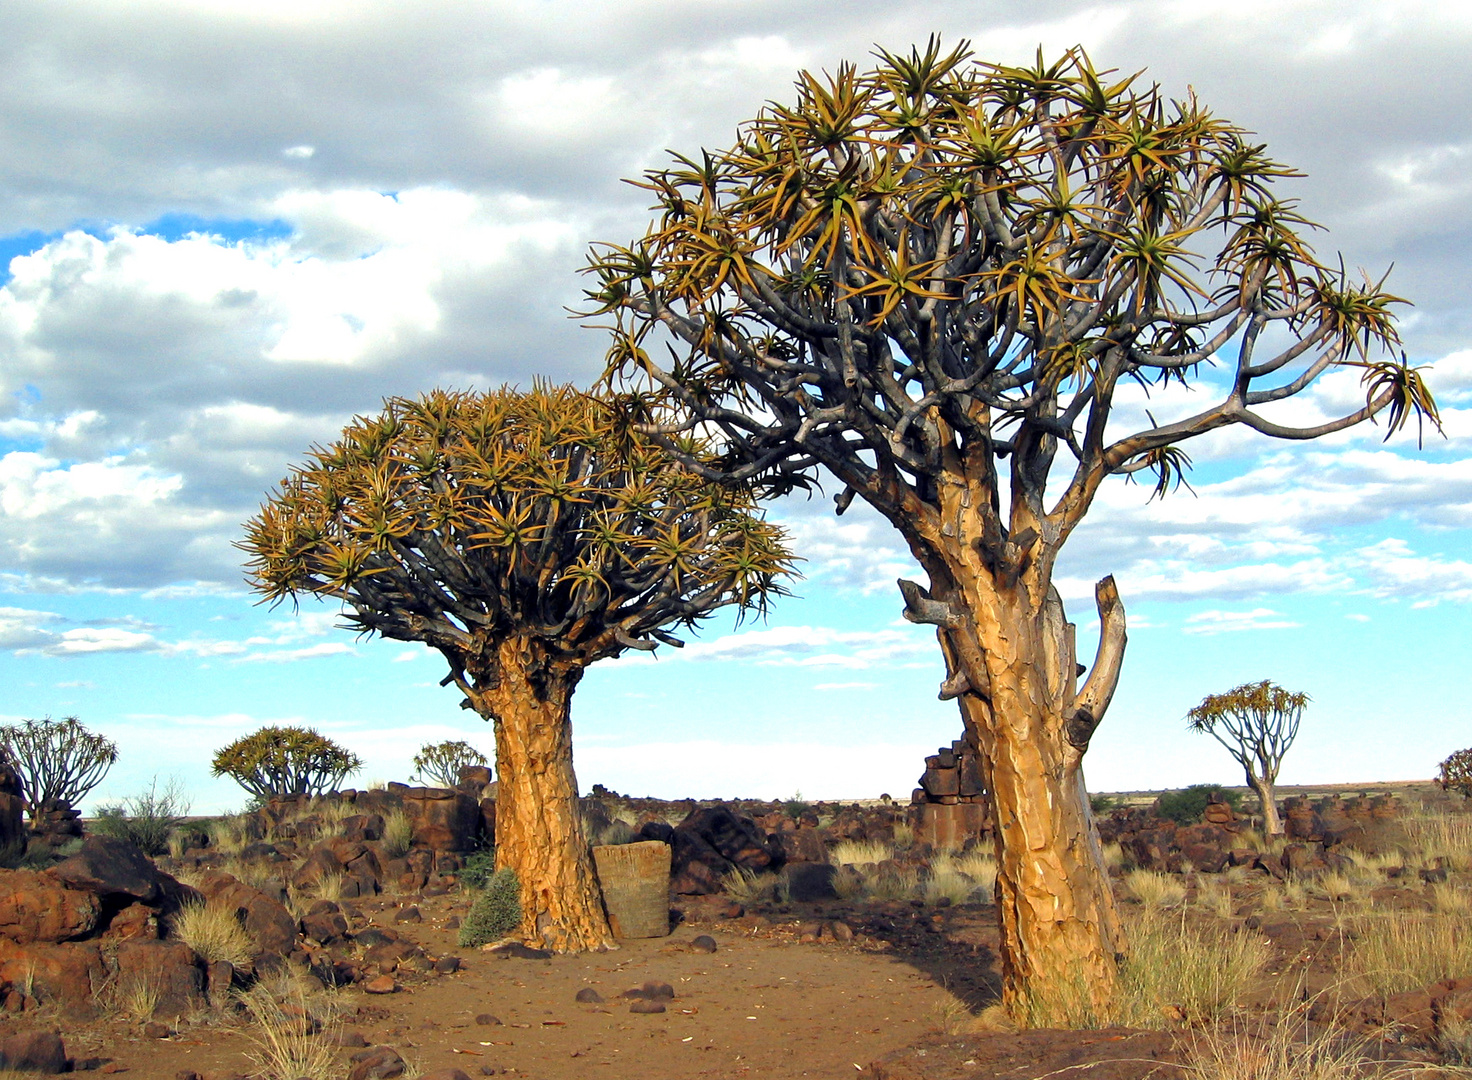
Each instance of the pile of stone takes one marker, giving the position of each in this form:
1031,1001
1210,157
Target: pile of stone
99,916
950,805
448,824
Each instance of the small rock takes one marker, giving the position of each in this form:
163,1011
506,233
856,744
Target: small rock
408,915
517,951
34,1051
113,1067
652,991
452,923
186,1074
447,965
647,1007
351,1040
444,1074
703,944
376,1063
732,911
487,1020
156,1029
1434,875
383,984
841,930
588,996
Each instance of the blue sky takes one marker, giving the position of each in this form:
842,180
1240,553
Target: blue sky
226,228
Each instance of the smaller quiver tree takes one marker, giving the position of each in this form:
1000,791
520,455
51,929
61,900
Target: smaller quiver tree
440,763
286,761
56,759
1257,723
524,535
1455,773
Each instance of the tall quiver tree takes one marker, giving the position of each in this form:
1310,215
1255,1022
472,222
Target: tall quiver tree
524,536
1257,723
931,280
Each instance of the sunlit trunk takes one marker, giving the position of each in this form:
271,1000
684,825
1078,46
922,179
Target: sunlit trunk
1264,788
539,831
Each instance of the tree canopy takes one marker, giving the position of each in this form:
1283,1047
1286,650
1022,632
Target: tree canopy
457,519
940,261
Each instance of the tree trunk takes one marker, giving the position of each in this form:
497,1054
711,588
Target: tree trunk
1009,652
539,832
1271,826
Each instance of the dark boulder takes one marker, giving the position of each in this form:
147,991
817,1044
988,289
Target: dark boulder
110,867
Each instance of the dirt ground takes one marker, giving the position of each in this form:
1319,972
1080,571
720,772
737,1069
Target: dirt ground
764,1004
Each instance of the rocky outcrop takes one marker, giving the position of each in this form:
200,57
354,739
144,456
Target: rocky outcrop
36,906
269,924
710,843
110,867
68,974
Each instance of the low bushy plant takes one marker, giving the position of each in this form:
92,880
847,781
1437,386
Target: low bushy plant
398,833
496,911
146,819
214,933
1186,806
478,869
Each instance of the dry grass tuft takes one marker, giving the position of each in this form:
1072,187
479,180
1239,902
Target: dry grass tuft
1176,969
1114,856
1215,897
213,933
894,883
1395,951
228,835
1282,1052
947,881
1153,889
137,999
849,884
1441,840
398,833
860,852
329,887
1448,899
904,834
282,1048
1338,887
749,887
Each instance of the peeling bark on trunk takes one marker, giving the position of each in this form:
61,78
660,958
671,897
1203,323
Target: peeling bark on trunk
539,831
1264,788
1005,638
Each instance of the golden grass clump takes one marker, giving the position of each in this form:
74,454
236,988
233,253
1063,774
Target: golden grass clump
1282,1051
947,881
894,883
1399,950
1153,889
849,884
1114,856
1216,898
398,833
1448,899
214,933
860,852
981,867
228,834
137,999
904,834
749,887
1441,840
282,1047
1178,970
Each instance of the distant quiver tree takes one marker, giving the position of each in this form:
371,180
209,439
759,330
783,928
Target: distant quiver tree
1455,773
1257,723
933,280
440,763
524,535
56,759
286,761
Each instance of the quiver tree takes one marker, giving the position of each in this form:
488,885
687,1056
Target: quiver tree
1257,723
931,280
56,759
1455,773
440,763
285,761
524,536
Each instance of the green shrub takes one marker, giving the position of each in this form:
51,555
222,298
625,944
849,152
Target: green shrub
146,819
1185,807
478,869
1101,804
796,807
496,911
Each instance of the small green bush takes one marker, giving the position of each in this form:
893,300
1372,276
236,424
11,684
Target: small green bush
478,869
796,806
1185,807
146,819
1101,804
496,911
